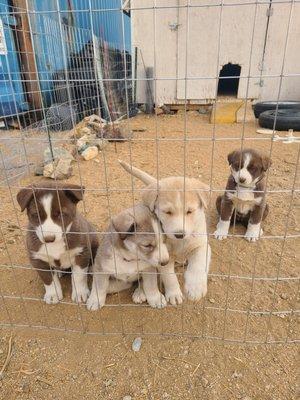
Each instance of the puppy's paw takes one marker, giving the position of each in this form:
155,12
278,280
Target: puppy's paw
253,233
138,296
80,293
195,289
174,297
52,299
220,235
53,294
157,301
94,302
222,230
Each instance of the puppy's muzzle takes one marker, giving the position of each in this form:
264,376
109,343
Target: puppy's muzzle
49,238
164,263
179,235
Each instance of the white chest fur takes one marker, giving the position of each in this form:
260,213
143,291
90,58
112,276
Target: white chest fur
244,200
122,269
57,251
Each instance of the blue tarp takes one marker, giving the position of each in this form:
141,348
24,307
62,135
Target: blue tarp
12,98
53,45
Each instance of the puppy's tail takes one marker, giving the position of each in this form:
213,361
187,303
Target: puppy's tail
143,176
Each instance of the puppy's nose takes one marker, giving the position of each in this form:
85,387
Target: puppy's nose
179,235
49,238
163,263
242,180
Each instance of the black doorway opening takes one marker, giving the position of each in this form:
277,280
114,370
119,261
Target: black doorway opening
229,86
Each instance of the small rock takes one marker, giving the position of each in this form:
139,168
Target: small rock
236,375
108,382
165,395
39,170
144,391
139,130
101,143
85,139
136,344
90,153
10,241
114,134
127,398
58,153
94,118
85,131
59,169
159,111
204,382
212,300
284,296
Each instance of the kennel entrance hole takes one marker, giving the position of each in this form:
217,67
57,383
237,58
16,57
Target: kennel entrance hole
229,85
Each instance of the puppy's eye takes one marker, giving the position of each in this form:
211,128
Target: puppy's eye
58,214
189,212
147,246
168,212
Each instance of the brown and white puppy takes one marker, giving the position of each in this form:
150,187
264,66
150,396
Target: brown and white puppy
179,203
133,246
245,194
58,237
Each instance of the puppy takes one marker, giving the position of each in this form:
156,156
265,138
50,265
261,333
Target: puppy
58,237
133,244
179,203
245,194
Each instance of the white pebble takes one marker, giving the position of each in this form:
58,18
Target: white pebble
136,344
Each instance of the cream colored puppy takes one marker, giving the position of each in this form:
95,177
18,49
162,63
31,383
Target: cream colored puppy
179,204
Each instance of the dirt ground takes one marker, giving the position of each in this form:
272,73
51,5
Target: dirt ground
192,357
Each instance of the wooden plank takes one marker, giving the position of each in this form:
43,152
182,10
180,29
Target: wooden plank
26,53
188,107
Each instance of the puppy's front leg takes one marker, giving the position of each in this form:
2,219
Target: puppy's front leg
153,295
168,276
53,291
195,277
225,210
99,290
80,290
254,230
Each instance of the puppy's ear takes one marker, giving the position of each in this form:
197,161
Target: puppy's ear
74,193
124,224
266,162
202,191
150,196
24,197
231,156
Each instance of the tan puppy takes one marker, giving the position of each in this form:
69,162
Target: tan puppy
179,204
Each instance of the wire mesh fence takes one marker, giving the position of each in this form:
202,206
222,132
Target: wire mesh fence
146,82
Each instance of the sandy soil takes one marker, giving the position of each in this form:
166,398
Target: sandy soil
237,308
